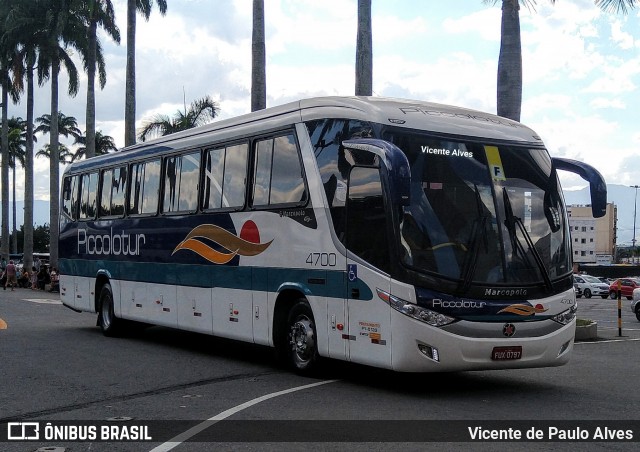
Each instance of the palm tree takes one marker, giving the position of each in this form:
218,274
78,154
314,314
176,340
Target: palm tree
621,6
258,59
103,145
97,13
64,29
199,113
67,125
509,84
64,154
17,139
364,50
7,54
133,6
25,28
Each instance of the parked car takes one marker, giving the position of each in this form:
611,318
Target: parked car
627,287
635,304
591,286
577,289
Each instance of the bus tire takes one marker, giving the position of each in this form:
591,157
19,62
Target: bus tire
109,323
301,345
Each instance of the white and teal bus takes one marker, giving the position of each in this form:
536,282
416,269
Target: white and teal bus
393,233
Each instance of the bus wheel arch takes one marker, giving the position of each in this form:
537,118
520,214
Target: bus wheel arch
295,336
108,322
101,280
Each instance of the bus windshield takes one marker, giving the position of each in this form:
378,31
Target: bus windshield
482,214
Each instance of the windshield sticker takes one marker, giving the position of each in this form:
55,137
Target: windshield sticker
447,152
495,163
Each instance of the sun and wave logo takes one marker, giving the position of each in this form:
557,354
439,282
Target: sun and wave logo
224,245
523,309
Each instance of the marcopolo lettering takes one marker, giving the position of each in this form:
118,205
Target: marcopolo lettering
505,292
110,244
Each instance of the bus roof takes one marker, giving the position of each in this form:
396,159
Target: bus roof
427,116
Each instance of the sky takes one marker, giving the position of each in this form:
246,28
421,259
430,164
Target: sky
581,68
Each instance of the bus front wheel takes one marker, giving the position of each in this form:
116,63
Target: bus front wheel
302,347
109,323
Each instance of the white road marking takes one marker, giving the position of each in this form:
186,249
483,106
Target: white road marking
609,341
179,439
42,300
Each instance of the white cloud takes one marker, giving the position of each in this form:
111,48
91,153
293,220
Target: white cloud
579,69
485,23
623,39
605,102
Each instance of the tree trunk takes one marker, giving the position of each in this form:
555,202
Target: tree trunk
364,50
258,59
4,175
54,167
28,176
130,88
509,93
90,140
14,234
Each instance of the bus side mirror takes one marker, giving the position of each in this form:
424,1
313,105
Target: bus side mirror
394,164
597,185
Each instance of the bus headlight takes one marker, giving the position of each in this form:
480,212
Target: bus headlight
414,311
566,316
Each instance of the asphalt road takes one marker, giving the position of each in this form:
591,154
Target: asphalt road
56,367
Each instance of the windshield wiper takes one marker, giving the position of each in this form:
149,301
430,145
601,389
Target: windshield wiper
510,222
477,231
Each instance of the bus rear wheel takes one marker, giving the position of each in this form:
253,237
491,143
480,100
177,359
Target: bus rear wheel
109,323
301,346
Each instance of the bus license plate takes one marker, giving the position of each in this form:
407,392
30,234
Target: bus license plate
506,353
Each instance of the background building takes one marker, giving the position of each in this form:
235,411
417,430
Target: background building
593,239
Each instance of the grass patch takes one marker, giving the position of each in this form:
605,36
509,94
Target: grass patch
583,322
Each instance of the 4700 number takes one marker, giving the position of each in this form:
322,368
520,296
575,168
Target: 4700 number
322,259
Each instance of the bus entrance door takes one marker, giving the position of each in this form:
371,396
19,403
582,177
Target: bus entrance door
368,259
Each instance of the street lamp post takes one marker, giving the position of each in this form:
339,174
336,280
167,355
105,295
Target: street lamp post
635,205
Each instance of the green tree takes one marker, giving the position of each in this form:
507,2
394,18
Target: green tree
64,154
258,59
41,240
25,28
98,13
364,50
17,140
199,113
621,6
509,83
64,31
8,50
144,7
103,145
67,125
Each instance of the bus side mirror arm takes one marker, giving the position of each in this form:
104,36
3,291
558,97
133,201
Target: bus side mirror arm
597,184
395,162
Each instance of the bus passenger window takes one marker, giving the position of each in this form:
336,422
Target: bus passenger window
225,177
88,195
278,174
70,197
145,187
182,174
114,187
